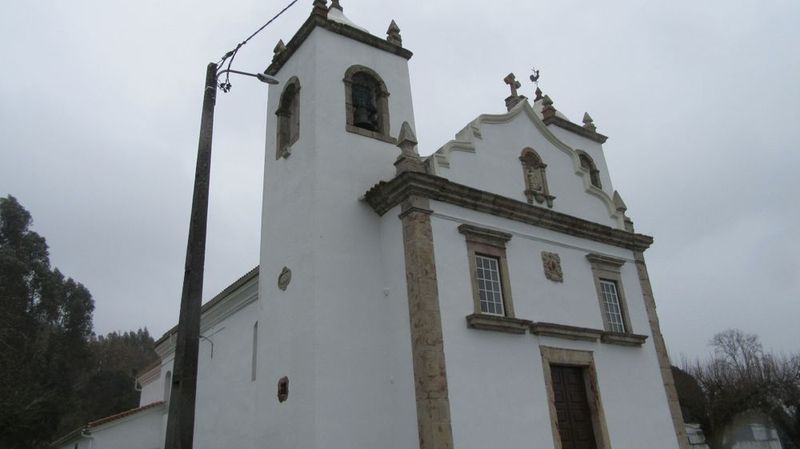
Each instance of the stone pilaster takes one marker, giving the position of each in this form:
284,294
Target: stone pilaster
661,350
427,344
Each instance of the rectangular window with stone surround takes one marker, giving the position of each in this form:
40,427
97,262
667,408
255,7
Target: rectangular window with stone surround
489,275
607,273
612,310
490,289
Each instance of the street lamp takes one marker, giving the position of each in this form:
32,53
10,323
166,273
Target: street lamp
180,420
264,78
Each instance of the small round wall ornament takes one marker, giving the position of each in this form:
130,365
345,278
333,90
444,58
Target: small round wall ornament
284,278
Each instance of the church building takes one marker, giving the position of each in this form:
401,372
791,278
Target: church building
492,295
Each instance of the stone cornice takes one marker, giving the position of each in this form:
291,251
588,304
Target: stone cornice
577,129
616,338
497,323
564,331
541,329
602,259
314,21
386,195
483,235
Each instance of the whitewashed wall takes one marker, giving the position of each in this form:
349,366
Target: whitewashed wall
493,164
497,390
340,330
153,390
226,395
139,431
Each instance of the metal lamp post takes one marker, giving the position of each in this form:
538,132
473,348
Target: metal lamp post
180,420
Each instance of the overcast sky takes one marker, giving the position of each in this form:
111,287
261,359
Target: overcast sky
100,108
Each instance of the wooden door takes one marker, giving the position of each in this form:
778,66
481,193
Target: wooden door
572,408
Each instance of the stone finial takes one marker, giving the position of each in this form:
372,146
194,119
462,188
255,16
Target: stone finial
548,111
335,4
321,7
588,123
618,203
280,47
622,208
393,34
407,140
538,93
513,99
409,159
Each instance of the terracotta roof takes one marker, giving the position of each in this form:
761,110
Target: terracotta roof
77,433
124,414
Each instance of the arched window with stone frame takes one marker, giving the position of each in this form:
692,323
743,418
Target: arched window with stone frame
367,103
288,118
587,164
533,169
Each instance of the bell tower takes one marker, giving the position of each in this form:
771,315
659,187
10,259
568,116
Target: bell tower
333,328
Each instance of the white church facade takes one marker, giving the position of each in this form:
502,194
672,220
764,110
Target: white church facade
491,295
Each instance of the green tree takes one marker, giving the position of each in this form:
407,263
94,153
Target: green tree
109,386
45,322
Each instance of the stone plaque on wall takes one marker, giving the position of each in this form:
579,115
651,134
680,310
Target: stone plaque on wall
552,266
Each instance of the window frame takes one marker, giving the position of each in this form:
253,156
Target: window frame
613,324
488,243
594,173
609,269
381,103
493,260
289,118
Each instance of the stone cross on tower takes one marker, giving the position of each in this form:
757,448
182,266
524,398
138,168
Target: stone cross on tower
514,98
512,82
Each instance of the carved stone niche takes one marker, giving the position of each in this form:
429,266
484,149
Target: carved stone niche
533,169
552,266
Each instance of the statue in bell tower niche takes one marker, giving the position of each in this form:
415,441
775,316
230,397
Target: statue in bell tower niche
535,178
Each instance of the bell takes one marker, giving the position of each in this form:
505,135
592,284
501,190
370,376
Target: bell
362,119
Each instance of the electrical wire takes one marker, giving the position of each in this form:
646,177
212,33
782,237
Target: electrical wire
231,55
